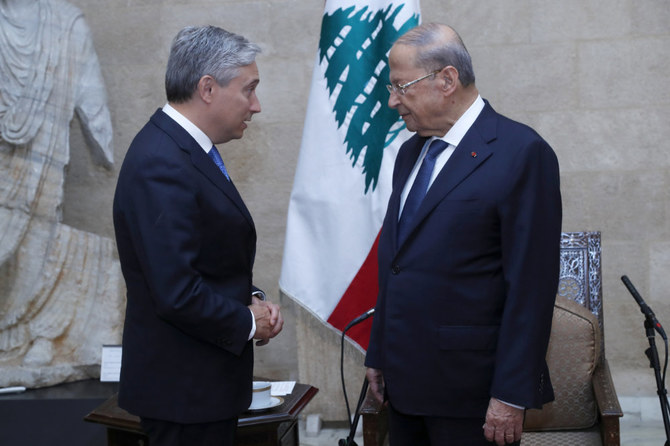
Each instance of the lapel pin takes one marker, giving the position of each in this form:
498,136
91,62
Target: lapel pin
473,154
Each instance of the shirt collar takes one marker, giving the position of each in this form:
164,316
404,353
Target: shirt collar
463,124
200,137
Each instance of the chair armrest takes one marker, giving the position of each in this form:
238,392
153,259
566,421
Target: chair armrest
609,409
375,421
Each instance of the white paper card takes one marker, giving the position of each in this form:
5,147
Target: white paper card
110,368
281,388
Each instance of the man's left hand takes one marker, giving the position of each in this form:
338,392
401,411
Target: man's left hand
504,423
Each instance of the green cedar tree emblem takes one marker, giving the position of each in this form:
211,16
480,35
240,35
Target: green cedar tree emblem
356,46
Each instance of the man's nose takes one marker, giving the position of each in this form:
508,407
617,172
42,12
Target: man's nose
255,105
393,100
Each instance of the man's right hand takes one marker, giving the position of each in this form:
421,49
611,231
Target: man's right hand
376,381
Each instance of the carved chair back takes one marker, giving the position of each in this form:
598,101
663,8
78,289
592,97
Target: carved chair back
580,276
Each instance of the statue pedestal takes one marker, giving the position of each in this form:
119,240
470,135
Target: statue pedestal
54,415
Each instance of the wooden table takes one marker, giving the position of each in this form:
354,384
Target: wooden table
275,427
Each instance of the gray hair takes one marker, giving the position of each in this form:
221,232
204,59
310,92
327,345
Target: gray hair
440,46
205,50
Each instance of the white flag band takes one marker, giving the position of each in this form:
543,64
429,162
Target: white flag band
343,177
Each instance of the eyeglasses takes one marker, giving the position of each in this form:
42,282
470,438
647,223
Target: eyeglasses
400,89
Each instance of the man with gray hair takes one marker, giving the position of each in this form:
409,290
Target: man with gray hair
468,257
187,242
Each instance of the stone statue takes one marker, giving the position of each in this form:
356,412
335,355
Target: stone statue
61,295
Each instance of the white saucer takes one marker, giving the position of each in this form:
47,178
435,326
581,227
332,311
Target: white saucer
274,402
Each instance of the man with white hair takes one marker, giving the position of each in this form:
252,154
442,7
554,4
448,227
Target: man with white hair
468,257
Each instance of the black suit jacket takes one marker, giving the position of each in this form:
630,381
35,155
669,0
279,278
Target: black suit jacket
186,242
465,301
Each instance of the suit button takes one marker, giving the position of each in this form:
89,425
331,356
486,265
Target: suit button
395,269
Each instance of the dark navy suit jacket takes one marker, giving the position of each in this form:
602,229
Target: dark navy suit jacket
466,300
186,242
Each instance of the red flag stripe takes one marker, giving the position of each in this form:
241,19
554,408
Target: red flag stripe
360,296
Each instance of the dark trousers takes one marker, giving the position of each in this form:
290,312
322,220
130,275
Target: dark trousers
166,433
412,430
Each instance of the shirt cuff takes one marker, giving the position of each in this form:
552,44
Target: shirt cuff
512,405
253,326
259,294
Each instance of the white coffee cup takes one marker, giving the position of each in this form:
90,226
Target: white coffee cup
260,397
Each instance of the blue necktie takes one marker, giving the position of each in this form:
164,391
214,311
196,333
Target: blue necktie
216,157
420,187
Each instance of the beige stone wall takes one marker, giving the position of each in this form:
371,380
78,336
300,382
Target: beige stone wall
590,76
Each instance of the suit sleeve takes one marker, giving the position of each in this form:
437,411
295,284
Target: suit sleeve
530,237
163,215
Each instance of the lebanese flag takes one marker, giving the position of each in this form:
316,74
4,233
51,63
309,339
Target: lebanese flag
343,177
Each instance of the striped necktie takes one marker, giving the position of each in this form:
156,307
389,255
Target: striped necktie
216,157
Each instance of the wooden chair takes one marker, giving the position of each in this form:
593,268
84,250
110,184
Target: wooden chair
586,409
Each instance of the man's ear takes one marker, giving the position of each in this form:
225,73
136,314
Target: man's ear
205,89
449,79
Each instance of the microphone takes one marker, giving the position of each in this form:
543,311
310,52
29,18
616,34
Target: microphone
644,308
360,318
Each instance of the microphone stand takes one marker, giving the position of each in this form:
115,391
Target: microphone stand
652,354
353,424
651,325
349,441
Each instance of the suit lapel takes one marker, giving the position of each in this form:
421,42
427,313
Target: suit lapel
404,169
206,166
472,151
201,161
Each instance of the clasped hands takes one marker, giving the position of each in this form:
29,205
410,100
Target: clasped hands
269,321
